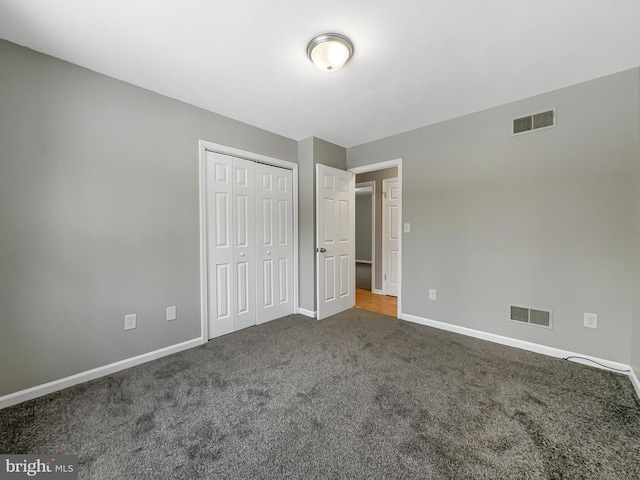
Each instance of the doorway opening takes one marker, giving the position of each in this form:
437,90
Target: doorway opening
385,181
365,235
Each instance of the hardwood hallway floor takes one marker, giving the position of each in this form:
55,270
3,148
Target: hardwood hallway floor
384,304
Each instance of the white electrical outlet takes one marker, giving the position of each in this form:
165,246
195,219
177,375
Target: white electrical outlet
172,313
432,294
130,321
591,320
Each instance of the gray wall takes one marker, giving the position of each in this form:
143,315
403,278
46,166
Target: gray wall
312,151
635,338
377,176
99,216
306,225
544,219
364,225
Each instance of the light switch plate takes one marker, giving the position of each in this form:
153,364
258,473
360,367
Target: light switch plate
407,228
172,313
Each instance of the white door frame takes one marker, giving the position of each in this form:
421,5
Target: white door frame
203,147
372,185
381,166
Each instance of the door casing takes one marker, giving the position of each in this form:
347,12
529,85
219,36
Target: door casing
381,166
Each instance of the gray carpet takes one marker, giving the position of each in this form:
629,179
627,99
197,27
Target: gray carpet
355,396
363,276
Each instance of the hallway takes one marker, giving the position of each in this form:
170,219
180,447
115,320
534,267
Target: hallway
376,303
366,299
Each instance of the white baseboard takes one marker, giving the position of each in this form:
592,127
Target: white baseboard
513,342
364,261
46,388
634,380
377,292
307,313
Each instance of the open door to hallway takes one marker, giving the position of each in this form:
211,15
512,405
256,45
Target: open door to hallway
335,240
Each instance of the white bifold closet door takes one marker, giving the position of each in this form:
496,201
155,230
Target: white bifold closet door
274,220
249,243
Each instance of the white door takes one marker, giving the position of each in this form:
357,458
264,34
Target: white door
274,238
249,243
244,254
230,243
390,235
219,243
335,240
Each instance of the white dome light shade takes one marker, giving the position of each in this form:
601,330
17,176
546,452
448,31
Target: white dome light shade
330,51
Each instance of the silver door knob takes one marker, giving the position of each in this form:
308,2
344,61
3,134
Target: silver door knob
242,254
268,253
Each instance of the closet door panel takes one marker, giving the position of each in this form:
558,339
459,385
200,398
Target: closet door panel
275,242
220,265
249,243
244,255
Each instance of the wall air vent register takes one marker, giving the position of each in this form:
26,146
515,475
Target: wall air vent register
531,316
535,121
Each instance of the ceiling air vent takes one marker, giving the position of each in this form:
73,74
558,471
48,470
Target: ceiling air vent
535,121
532,316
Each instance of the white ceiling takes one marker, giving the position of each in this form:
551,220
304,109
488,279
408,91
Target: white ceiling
416,62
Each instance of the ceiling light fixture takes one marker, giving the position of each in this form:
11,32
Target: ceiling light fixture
329,51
